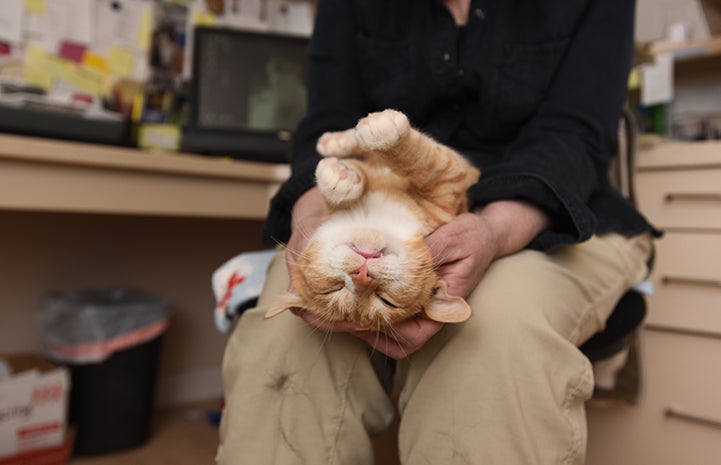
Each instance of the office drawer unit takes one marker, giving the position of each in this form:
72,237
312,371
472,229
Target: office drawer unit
678,420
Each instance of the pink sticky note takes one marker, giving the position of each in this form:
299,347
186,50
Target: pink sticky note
72,51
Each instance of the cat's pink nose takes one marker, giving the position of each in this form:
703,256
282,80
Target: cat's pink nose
361,278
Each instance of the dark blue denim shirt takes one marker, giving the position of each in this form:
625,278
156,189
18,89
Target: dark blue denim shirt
530,91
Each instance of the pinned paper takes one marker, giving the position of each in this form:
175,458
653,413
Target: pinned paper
11,20
657,81
203,18
38,68
126,23
121,61
84,79
97,62
72,51
37,7
71,20
145,29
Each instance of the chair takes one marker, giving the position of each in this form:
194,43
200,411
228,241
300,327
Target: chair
630,310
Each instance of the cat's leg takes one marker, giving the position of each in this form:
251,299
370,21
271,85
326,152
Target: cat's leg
411,153
440,175
339,181
338,144
382,130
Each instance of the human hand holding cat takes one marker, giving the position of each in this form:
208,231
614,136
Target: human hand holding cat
465,247
308,212
397,341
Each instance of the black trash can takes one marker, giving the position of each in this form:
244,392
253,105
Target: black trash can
110,341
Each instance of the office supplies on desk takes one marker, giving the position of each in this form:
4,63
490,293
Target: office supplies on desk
38,115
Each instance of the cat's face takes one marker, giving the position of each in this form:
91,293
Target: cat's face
370,276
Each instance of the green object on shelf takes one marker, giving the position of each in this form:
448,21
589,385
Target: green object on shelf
659,113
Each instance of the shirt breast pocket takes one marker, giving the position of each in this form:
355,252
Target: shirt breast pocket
384,66
524,77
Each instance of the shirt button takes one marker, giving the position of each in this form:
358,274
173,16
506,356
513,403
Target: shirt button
480,14
446,56
461,73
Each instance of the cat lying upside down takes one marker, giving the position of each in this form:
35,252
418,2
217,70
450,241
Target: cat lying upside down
367,262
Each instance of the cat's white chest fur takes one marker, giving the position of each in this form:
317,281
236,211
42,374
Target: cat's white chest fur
380,212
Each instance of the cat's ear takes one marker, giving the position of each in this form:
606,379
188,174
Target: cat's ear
285,301
445,308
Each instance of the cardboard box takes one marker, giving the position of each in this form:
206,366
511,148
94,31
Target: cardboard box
54,455
33,404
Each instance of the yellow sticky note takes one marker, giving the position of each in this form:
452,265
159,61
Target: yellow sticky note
203,18
121,61
38,69
36,7
634,79
138,104
84,80
96,62
145,30
159,136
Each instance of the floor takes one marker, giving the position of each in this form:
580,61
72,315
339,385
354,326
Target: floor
183,436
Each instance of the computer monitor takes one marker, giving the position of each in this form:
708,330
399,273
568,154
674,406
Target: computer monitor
248,94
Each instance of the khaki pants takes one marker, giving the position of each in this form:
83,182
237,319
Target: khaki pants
506,387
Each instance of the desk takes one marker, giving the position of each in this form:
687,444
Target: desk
76,215
51,175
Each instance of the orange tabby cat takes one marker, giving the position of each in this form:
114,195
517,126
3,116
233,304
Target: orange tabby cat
367,262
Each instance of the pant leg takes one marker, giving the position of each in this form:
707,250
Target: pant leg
295,395
508,386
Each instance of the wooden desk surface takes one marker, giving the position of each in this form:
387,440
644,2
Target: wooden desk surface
52,175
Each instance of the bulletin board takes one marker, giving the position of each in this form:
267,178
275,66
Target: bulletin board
117,50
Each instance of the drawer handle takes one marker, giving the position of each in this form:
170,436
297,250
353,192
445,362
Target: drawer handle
693,197
693,418
715,283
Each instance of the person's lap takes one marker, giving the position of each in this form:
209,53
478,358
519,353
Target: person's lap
507,386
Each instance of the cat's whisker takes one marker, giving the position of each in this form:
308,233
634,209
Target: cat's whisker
396,336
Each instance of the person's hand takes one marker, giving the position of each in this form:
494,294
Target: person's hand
308,212
397,341
464,247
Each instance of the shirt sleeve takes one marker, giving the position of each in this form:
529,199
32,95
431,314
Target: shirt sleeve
335,102
563,152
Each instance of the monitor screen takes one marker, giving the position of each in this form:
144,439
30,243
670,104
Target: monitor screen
248,81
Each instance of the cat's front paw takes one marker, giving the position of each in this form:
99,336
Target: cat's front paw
337,144
338,181
382,129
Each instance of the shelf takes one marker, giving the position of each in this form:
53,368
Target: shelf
687,50
52,175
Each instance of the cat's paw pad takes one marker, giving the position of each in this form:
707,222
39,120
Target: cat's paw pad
382,129
337,144
338,181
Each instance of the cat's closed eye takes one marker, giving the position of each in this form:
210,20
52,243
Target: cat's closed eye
387,302
331,289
